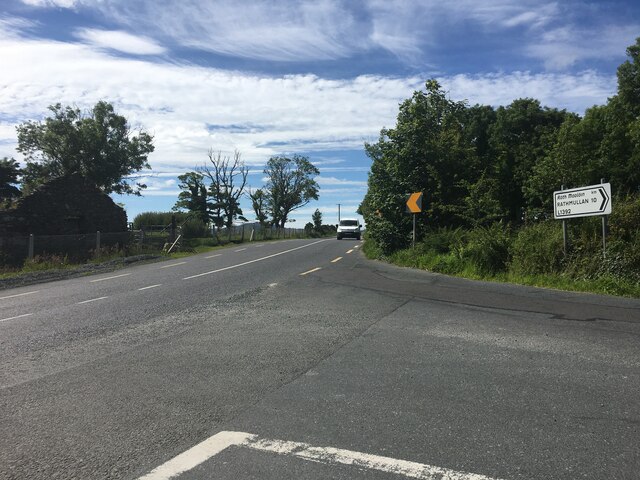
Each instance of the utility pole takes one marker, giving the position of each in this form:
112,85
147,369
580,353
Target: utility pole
338,213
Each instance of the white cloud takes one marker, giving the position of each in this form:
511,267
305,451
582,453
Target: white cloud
121,41
575,93
50,3
297,113
337,181
565,46
281,31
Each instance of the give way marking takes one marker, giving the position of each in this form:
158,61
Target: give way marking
327,455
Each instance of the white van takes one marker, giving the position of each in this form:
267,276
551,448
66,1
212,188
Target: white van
349,227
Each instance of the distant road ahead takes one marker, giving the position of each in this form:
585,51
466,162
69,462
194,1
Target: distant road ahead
302,359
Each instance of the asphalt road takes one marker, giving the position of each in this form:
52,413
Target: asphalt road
302,359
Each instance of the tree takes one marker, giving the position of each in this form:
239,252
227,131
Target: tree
97,145
629,79
228,178
427,151
523,134
259,204
290,185
194,196
9,173
316,218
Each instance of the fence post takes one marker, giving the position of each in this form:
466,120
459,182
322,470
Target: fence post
242,240
30,252
98,241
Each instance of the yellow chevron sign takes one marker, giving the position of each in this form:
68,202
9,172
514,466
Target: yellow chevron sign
414,204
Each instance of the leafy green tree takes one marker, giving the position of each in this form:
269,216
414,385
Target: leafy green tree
523,134
290,185
9,173
316,218
194,196
629,80
427,151
98,145
259,204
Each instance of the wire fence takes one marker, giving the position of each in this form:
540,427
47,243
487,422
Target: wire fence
15,249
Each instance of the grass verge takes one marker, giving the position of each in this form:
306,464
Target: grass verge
453,263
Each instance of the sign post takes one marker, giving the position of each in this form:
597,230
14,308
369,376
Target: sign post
593,200
414,206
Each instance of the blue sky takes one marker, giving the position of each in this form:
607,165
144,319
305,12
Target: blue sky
318,78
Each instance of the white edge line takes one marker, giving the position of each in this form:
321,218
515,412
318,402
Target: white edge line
174,265
336,260
92,300
311,271
19,294
329,455
217,443
109,278
251,261
13,318
150,286
240,250
216,255
196,455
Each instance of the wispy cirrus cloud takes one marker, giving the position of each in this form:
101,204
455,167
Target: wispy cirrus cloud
323,30
299,113
120,41
563,47
50,3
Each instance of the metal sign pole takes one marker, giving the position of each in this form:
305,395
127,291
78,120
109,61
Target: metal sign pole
604,231
564,232
413,243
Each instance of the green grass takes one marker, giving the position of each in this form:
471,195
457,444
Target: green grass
193,246
453,263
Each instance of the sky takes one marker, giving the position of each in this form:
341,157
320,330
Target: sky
317,78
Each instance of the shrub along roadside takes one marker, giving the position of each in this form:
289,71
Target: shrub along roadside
532,255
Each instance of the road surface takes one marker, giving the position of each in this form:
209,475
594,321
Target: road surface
302,359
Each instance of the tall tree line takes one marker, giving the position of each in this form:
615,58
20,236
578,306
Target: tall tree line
478,165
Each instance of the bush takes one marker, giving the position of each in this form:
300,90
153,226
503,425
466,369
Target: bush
195,228
538,249
487,248
146,219
443,240
624,222
388,236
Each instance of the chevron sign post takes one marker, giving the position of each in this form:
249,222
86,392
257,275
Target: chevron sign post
414,203
414,206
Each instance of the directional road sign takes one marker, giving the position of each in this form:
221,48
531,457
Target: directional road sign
582,202
414,204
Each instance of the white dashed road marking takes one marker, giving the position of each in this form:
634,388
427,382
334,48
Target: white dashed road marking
326,455
240,250
336,260
19,294
108,278
92,300
150,286
311,271
17,316
251,261
350,251
212,256
173,265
